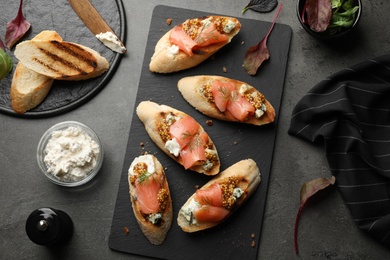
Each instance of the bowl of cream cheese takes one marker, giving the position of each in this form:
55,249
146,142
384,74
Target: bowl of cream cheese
70,154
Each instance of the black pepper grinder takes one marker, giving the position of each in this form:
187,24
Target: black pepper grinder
49,227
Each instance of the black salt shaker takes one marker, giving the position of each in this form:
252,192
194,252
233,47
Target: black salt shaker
49,227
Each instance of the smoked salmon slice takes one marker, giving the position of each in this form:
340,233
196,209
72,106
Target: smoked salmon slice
226,97
206,36
211,196
147,195
211,209
193,152
192,144
221,93
182,40
207,213
209,35
240,107
184,130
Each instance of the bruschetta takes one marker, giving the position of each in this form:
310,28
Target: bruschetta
227,99
191,42
220,197
29,88
61,60
150,198
180,136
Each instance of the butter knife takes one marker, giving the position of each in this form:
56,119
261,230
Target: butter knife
97,25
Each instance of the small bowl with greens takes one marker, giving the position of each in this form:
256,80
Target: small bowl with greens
327,19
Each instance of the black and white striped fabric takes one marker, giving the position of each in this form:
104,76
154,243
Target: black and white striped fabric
350,113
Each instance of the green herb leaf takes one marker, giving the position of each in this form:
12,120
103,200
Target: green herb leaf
195,143
144,177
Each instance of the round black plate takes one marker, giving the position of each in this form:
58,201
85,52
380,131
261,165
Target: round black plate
60,17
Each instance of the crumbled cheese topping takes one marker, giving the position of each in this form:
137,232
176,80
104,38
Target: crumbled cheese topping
173,49
71,154
188,211
154,218
244,88
229,26
173,147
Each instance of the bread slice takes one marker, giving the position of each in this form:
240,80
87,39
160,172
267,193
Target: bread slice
61,60
157,232
165,61
248,178
155,118
29,88
194,90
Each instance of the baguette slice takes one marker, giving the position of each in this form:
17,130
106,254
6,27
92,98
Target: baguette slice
150,198
157,120
166,59
61,60
244,175
197,91
29,88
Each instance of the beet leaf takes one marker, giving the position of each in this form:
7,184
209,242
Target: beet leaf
308,190
319,14
16,28
262,6
255,55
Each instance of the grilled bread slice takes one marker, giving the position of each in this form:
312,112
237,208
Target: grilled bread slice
150,198
61,60
220,197
179,136
192,42
29,88
227,99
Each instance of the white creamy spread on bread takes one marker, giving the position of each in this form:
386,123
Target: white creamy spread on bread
148,159
206,21
229,26
111,41
173,49
71,154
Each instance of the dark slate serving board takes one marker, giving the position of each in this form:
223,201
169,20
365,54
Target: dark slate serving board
59,16
233,238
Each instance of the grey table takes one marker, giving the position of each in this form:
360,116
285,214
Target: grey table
326,231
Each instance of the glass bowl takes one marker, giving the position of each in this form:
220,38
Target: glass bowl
325,35
68,179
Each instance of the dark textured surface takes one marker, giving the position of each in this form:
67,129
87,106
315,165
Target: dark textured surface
60,17
326,230
234,142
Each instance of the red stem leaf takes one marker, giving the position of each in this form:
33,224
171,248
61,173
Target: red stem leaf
308,190
257,54
319,14
16,28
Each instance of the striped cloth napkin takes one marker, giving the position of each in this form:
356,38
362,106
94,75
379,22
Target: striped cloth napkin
350,113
